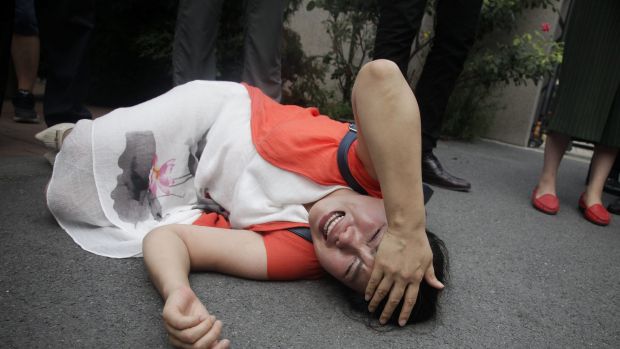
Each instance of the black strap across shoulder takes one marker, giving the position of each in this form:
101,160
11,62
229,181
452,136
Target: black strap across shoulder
343,161
343,165
302,232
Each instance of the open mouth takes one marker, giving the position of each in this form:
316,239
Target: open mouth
329,222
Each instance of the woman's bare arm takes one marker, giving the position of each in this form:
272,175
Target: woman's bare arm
389,145
170,252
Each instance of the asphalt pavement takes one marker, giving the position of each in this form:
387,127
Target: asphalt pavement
518,278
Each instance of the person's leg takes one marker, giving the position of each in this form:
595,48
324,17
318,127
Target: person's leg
25,54
7,15
25,47
555,146
262,46
602,161
195,36
612,184
65,29
455,31
399,23
456,23
615,169
614,207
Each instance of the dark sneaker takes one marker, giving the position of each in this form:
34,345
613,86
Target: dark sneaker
23,103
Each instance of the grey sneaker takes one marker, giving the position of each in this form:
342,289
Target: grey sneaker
23,103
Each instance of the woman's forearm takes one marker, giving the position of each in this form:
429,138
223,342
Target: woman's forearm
389,121
167,260
388,117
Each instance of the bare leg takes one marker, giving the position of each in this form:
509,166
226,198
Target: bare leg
555,146
602,161
25,53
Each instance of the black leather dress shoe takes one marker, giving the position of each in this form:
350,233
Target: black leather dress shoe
614,207
434,174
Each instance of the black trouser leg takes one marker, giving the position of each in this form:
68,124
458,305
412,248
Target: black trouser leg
65,28
399,23
454,35
7,14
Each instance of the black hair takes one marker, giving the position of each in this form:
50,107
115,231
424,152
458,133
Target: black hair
426,304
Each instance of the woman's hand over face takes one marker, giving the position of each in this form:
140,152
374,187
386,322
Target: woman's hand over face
188,322
400,265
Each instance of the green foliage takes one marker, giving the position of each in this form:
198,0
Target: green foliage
527,57
302,75
469,113
351,27
503,14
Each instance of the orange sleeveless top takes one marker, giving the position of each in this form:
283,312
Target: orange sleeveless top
302,141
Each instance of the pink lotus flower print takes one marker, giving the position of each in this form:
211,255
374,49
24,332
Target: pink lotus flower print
159,178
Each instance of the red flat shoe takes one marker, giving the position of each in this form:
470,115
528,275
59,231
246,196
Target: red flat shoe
547,203
596,213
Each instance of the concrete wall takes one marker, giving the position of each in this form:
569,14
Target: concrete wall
314,38
309,25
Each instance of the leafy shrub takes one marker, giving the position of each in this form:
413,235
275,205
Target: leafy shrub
351,26
529,56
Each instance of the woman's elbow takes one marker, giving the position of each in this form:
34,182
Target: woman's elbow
381,70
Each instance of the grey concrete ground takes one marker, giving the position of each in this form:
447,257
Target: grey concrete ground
518,278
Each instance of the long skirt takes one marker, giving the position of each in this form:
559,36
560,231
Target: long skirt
134,169
588,106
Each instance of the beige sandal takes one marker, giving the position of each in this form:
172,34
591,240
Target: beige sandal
52,137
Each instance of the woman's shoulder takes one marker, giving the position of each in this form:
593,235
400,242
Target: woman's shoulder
290,257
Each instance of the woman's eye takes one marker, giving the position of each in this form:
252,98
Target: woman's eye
375,235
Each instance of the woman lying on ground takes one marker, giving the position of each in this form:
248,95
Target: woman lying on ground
227,180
